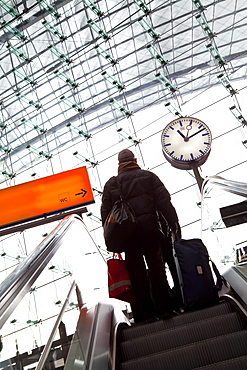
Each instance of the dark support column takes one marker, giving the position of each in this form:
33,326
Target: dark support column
199,179
18,358
64,340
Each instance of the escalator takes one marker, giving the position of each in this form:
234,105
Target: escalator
214,337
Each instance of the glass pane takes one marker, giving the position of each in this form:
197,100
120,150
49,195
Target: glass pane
222,240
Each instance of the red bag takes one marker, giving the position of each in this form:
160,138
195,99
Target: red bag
118,280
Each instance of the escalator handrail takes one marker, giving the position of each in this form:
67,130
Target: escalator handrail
20,280
94,345
48,345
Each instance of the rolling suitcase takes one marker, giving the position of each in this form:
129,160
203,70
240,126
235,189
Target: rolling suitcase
199,287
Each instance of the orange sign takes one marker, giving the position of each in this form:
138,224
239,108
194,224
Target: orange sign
46,195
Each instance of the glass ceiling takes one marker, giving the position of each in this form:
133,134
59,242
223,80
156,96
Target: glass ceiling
72,68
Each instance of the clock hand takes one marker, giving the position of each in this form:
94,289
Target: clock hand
184,137
180,133
188,128
196,133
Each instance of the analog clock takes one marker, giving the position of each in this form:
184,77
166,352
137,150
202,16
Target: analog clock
186,142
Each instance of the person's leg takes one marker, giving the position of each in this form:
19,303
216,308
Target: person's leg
167,252
137,312
160,287
140,284
178,300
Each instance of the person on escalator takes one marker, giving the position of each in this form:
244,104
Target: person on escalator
147,195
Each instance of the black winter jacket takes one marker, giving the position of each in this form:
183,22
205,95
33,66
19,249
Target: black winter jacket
145,193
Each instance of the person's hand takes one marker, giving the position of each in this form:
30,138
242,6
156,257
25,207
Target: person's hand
176,232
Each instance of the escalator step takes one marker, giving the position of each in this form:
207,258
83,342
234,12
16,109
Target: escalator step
239,363
139,330
180,336
192,356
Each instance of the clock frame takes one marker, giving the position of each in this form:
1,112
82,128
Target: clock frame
186,142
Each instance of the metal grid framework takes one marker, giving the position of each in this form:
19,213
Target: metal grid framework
70,69
78,81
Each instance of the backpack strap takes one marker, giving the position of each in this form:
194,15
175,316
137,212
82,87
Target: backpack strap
119,187
217,274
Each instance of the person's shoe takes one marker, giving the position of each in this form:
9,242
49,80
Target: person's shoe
166,315
151,320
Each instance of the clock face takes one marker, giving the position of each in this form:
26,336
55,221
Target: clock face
185,141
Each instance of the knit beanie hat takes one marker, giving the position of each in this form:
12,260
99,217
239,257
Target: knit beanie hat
125,155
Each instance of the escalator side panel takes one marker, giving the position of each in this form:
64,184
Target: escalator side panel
90,348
